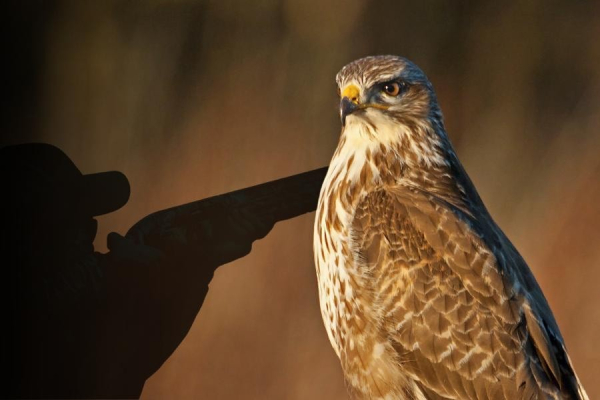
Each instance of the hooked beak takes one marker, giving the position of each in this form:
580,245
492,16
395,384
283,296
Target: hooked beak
347,107
349,102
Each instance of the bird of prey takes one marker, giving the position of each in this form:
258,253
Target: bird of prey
422,294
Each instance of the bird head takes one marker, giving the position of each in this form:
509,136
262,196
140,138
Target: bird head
389,100
385,85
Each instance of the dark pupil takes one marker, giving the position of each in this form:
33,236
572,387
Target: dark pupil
390,88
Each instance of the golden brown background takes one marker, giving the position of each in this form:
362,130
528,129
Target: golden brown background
195,98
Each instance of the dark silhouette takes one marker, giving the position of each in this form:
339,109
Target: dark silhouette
80,324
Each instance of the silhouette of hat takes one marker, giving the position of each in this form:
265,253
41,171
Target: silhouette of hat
42,174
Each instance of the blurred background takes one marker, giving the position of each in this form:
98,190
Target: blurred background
195,98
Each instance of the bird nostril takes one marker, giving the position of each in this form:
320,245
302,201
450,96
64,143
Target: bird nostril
352,93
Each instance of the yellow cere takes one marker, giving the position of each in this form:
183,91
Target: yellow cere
351,92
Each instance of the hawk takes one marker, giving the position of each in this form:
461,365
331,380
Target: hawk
422,294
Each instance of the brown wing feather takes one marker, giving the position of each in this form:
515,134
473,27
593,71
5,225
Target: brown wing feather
458,317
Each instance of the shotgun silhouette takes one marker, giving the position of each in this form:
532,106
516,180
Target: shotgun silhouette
227,224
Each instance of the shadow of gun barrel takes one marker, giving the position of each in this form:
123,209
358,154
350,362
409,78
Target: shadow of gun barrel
260,206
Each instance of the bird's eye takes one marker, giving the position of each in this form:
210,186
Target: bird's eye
391,88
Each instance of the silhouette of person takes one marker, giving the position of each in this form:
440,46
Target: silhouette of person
81,324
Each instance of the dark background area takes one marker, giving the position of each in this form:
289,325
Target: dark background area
195,98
